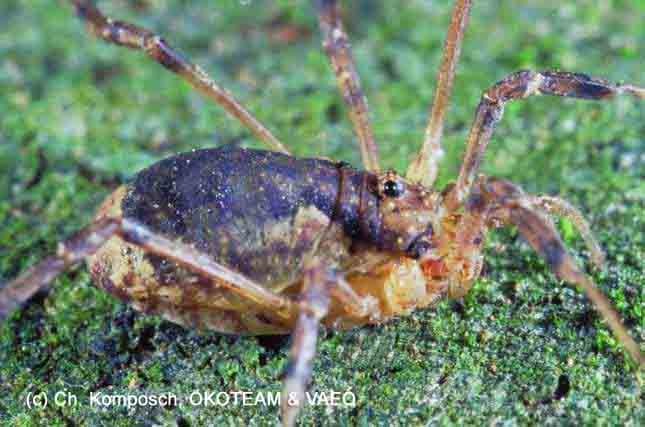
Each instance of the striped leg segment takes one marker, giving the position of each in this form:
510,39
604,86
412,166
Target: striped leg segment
519,85
336,45
509,205
134,37
425,165
315,294
87,241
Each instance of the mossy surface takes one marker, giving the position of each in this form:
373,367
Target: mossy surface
78,117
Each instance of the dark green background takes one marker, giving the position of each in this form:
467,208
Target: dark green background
520,348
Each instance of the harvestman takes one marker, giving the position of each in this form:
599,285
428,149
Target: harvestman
254,242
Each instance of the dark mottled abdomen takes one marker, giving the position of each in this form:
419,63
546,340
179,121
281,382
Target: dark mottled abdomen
250,209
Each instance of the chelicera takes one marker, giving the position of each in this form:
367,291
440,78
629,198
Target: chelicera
260,242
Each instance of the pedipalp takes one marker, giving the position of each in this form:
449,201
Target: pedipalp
502,202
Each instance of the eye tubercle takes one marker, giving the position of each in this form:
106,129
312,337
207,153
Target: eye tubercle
392,188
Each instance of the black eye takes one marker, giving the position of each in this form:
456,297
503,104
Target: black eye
392,189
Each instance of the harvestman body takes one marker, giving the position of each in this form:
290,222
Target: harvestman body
260,242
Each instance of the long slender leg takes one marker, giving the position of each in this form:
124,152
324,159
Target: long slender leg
87,241
84,243
303,348
202,264
336,45
134,37
557,206
523,84
511,206
425,166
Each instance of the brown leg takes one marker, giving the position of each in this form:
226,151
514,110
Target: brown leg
82,244
134,37
303,348
337,48
424,167
87,241
520,85
557,206
510,206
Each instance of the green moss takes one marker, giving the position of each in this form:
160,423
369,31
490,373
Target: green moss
520,348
